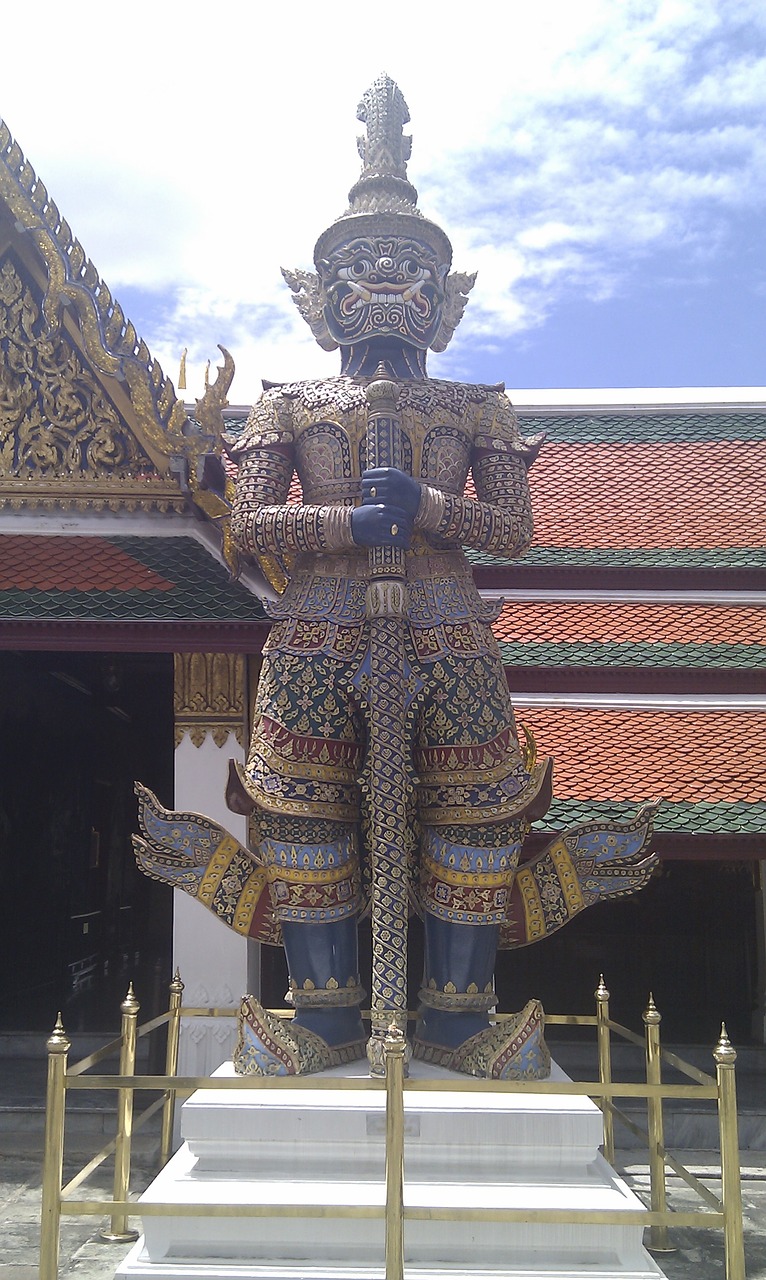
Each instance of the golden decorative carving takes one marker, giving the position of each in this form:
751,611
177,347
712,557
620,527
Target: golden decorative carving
110,342
62,442
209,697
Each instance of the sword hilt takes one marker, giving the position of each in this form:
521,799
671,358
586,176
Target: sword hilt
384,448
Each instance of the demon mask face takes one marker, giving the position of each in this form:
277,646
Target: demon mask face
383,286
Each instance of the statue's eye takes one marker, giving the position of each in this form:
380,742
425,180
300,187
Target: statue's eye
360,267
411,267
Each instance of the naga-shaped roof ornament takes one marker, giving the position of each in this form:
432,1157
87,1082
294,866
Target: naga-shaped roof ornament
382,203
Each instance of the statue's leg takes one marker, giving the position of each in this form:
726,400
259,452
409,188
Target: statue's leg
316,899
323,963
466,875
464,891
458,988
457,992
476,791
302,777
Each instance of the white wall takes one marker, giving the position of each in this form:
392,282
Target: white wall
217,966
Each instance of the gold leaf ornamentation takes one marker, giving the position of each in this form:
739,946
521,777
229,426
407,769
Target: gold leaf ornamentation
62,441
209,697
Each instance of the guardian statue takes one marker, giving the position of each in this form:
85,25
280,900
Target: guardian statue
385,772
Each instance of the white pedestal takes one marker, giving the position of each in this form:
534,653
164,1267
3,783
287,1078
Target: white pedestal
322,1147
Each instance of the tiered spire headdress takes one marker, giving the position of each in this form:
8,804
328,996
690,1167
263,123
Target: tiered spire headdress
382,202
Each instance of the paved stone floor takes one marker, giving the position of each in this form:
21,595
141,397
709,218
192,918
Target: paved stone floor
82,1254
699,1253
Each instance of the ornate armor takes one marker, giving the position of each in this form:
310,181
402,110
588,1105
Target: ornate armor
469,766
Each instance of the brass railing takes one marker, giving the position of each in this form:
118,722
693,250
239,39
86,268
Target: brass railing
724,1212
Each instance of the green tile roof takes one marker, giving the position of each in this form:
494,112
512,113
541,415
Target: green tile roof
635,558
671,427
190,585
633,654
738,819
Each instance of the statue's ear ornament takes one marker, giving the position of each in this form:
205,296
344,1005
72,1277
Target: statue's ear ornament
457,286
305,287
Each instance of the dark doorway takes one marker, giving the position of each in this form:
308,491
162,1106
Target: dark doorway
78,919
688,938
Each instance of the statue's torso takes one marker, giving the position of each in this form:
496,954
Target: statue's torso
325,422
440,421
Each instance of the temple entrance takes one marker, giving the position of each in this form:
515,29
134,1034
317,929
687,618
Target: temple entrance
79,920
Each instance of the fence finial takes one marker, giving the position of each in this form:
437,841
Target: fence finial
724,1052
58,1041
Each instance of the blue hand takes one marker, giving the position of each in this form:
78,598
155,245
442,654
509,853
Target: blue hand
381,526
392,487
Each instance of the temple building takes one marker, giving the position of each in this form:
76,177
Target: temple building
633,634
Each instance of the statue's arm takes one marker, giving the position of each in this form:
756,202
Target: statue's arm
262,520
499,520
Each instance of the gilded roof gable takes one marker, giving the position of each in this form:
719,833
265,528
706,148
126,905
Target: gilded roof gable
62,439
87,416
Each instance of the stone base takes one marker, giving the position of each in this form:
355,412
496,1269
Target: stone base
325,1148
537,1269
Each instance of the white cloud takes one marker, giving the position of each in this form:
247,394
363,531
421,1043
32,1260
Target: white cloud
559,145
614,162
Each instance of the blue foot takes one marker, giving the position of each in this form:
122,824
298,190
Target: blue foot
268,1045
513,1049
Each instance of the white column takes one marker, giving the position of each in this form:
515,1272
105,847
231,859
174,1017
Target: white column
217,966
758,1020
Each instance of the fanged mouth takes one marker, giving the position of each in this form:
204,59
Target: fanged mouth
364,295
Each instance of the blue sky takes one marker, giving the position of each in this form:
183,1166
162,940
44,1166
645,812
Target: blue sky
602,164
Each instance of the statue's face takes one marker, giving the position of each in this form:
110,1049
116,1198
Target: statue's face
383,286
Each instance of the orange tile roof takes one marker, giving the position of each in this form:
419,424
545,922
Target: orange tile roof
636,495
582,622
608,754
35,563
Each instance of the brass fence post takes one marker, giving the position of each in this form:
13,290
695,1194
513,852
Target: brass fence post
731,1187
394,1049
171,1066
605,1064
119,1232
58,1047
658,1235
